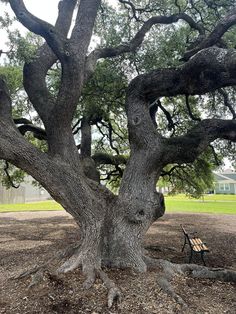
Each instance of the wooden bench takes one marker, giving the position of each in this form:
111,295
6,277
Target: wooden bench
196,245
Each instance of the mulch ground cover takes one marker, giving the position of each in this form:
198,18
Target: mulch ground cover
27,239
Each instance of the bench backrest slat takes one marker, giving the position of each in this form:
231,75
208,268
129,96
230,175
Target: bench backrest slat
195,243
184,231
186,234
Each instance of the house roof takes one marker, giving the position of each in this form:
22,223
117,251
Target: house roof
225,177
231,176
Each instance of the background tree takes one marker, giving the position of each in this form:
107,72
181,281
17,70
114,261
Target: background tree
186,53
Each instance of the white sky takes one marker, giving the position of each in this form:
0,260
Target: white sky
44,9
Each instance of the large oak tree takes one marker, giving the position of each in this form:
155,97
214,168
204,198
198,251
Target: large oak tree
112,226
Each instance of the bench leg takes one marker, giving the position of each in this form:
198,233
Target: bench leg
191,255
185,242
202,257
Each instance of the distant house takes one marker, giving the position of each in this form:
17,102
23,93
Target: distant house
225,182
27,192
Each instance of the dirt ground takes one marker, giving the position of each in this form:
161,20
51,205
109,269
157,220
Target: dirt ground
30,238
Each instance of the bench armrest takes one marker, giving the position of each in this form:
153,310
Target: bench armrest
193,233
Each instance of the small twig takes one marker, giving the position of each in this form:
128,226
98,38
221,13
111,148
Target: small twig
217,162
171,124
194,118
76,124
169,172
132,6
227,102
9,177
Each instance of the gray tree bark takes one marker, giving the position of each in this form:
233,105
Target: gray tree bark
111,227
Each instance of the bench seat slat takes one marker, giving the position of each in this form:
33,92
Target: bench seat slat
197,248
199,241
205,248
194,242
198,245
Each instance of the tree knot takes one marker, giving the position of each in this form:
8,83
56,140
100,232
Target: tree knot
136,120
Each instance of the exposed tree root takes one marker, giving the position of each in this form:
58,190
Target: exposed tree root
92,271
27,273
169,270
38,271
68,252
74,260
166,286
71,264
114,293
90,277
36,278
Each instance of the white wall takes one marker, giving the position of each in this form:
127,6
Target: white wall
27,192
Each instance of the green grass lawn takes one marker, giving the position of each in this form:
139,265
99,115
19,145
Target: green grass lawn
215,204
36,206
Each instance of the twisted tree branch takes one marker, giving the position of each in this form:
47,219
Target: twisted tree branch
5,101
220,29
38,133
106,159
86,138
138,39
210,69
195,141
82,31
35,71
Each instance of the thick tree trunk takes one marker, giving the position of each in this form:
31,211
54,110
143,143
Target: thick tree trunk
124,228
112,230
